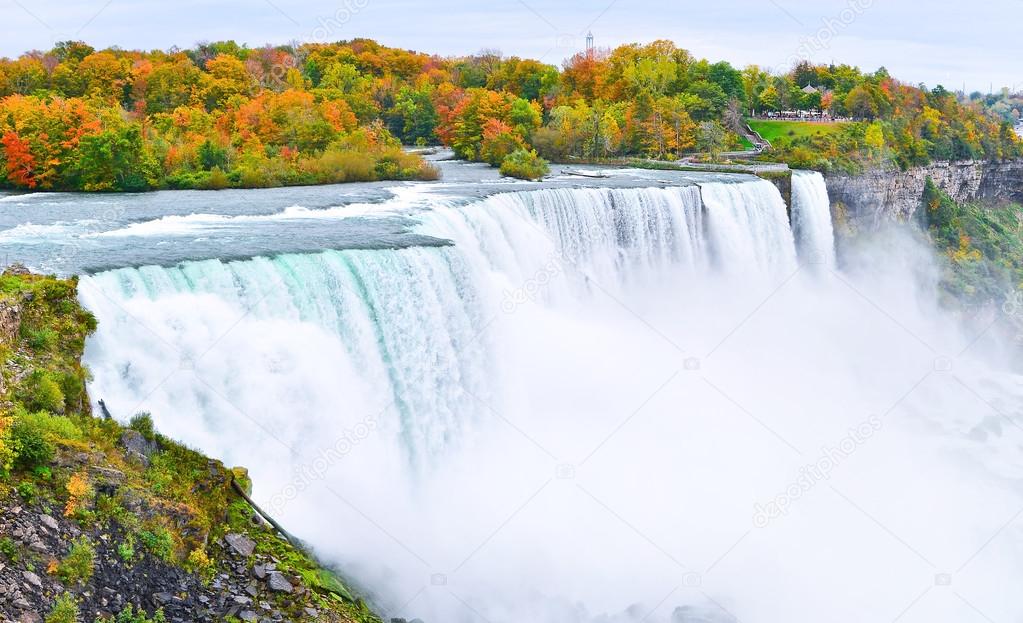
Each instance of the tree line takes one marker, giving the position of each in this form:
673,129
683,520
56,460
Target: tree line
222,114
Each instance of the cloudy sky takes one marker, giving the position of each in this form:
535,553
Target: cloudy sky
932,41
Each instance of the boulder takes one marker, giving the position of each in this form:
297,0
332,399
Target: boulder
49,522
137,447
32,579
278,583
241,544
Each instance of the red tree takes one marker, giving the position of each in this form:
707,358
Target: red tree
20,162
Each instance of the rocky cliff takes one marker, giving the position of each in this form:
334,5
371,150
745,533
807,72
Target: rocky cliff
880,195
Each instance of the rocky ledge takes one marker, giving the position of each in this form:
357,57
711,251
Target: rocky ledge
880,195
247,574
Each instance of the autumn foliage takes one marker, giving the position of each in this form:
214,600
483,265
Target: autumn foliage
222,114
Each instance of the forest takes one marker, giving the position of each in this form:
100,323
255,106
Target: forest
225,115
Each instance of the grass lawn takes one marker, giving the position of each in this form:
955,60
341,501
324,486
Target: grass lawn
774,130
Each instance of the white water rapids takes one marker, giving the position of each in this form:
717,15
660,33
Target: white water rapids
599,405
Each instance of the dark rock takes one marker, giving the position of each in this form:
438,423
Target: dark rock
32,579
162,598
136,446
278,583
36,545
241,544
49,522
248,615
21,603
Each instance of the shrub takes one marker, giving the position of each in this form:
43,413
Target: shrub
159,542
499,142
345,166
200,564
8,549
128,615
217,180
65,610
42,392
7,450
142,423
526,165
27,491
78,565
31,448
126,549
79,491
52,426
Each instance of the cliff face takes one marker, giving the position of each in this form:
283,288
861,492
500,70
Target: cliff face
865,201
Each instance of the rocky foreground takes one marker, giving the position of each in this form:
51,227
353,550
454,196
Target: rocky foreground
105,522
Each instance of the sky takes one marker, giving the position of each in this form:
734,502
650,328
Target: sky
946,42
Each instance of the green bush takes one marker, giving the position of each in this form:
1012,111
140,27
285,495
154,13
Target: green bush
52,426
526,165
126,549
128,615
31,449
9,549
65,610
27,491
79,563
158,542
217,180
42,392
142,423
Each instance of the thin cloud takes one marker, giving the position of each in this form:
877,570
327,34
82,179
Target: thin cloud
973,44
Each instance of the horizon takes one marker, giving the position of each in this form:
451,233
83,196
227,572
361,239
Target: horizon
854,32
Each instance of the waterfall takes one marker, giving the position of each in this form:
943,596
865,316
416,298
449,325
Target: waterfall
811,218
580,404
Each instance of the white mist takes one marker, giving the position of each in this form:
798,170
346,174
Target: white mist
581,411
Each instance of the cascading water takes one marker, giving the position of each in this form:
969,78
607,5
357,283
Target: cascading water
811,218
598,404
